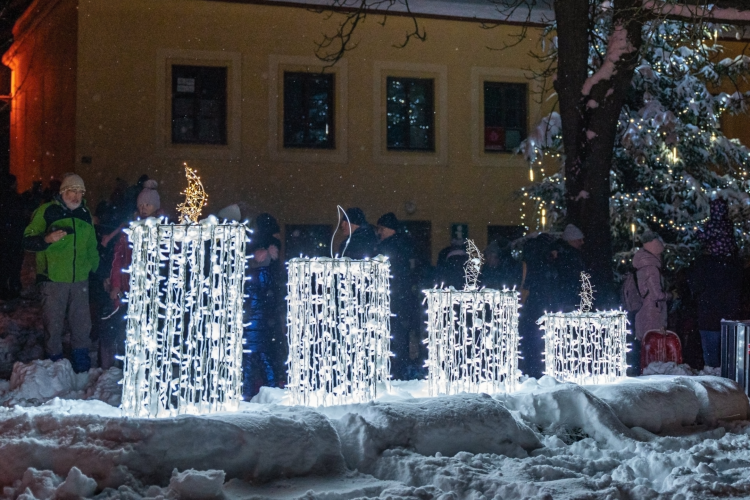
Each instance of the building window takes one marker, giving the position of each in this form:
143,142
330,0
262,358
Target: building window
199,104
410,114
504,115
308,110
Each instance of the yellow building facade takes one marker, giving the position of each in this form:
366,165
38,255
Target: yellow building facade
94,83
120,54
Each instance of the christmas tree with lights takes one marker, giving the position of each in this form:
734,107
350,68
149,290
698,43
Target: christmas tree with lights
670,158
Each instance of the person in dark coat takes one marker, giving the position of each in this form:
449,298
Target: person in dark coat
264,357
13,220
715,281
449,270
539,292
363,239
398,247
570,265
500,269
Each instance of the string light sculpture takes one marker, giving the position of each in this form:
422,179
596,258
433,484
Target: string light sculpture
473,266
472,335
338,318
195,197
472,340
587,293
585,347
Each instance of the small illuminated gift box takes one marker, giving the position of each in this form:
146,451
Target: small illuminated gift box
472,340
338,318
585,347
184,321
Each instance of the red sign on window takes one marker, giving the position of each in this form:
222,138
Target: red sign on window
494,138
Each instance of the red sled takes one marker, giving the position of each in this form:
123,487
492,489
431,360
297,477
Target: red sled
660,345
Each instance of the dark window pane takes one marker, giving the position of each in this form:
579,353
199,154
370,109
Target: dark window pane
504,115
199,105
308,111
410,114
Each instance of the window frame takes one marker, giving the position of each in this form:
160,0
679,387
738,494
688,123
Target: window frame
164,147
331,122
277,65
196,115
429,111
380,152
524,110
479,75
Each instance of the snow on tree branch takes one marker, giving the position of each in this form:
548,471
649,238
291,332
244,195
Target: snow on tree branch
617,46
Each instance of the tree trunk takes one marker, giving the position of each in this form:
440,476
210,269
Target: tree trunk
590,110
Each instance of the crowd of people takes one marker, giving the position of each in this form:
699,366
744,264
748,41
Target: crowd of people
81,257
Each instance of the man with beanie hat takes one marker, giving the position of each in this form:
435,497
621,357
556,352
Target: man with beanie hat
363,239
570,265
399,249
62,234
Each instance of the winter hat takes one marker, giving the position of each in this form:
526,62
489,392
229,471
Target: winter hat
231,212
149,194
72,181
356,216
717,235
267,224
572,233
649,236
389,220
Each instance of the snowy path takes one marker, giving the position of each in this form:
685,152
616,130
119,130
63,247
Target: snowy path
548,440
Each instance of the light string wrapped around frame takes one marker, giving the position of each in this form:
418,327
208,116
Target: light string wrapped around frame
184,321
585,347
472,335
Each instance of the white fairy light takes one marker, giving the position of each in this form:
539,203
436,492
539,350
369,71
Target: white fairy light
472,340
473,265
585,347
338,318
184,328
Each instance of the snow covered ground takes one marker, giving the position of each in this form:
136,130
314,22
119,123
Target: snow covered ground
659,436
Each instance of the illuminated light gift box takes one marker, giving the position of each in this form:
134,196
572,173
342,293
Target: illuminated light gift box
585,347
338,318
184,320
472,340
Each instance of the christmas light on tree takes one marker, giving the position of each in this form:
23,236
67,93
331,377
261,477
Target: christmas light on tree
472,335
671,157
338,318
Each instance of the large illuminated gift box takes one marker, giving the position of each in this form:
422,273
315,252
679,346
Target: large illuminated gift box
338,318
585,347
184,321
472,340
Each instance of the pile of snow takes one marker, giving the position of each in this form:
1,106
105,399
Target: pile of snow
37,382
446,425
21,334
672,368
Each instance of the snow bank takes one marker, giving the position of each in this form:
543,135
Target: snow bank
446,425
41,380
253,446
568,411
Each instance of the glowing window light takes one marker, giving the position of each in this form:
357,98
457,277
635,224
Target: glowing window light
338,318
585,347
184,322
472,340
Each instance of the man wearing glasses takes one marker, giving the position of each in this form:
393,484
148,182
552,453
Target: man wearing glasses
62,235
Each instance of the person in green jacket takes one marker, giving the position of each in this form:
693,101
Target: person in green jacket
62,234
